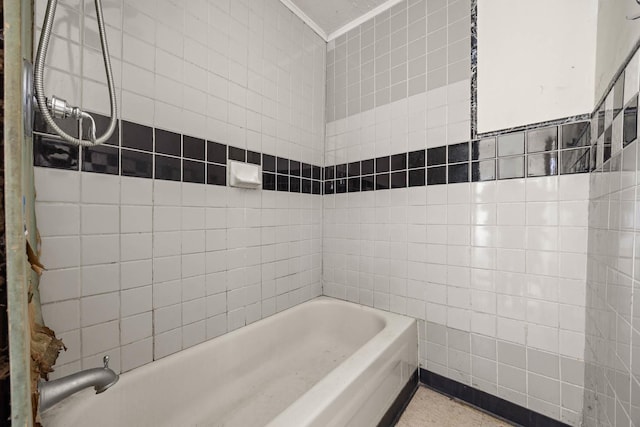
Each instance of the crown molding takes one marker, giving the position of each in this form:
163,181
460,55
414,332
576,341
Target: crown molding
345,28
300,14
363,18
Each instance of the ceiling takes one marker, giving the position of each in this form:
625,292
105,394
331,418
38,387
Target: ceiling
331,18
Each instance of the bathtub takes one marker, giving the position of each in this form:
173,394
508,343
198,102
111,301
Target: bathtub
322,363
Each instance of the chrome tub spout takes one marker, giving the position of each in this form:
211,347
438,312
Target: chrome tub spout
52,392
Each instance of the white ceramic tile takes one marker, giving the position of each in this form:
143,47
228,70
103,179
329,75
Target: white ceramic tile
100,337
135,219
511,213
573,266
71,341
512,307
167,193
100,188
135,328
63,316
167,243
136,354
543,238
542,189
58,219
511,330
138,80
236,318
60,252
573,214
167,293
136,300
167,343
100,249
483,258
217,325
135,273
485,214
193,287
135,246
543,337
99,308
58,285
167,318
138,52
193,334
542,213
573,187
193,195
511,260
510,190
166,218
573,239
572,343
137,108
193,265
193,311
542,262
542,312
572,317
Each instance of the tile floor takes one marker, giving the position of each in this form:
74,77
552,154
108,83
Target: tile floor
430,408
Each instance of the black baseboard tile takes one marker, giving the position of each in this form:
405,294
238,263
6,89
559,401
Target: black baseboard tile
391,417
487,402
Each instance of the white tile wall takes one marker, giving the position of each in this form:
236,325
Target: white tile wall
247,73
612,380
138,293
139,268
405,125
494,272
487,262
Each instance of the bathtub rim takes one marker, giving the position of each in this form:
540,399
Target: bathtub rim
391,322
352,368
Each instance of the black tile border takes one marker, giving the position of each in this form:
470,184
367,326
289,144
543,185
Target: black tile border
347,178
616,76
391,417
597,149
487,402
474,89
192,159
457,163
555,122
602,143
454,170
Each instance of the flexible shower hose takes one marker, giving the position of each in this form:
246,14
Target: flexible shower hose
38,78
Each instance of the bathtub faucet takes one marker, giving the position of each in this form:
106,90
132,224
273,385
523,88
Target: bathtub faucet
52,392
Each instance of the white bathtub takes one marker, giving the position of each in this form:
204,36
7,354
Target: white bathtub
322,363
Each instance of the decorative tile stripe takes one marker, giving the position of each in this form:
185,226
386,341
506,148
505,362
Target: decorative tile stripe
617,75
530,126
610,132
141,151
539,151
614,124
474,69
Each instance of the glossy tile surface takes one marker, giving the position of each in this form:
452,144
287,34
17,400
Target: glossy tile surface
137,246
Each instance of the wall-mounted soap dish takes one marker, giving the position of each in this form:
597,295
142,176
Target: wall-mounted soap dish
244,175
